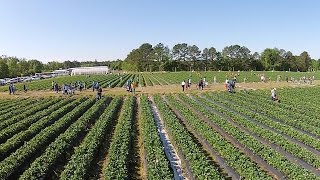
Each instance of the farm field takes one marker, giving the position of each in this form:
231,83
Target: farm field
163,78
209,135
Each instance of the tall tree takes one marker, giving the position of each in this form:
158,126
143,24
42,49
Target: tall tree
13,66
180,52
36,66
237,56
4,69
305,61
23,66
270,59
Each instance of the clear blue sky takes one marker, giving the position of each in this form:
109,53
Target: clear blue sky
80,30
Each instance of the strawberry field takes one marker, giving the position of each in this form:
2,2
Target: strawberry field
163,78
211,135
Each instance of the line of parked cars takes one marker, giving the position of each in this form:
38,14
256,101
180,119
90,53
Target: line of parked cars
6,81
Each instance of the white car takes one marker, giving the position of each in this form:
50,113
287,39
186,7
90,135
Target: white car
13,80
2,82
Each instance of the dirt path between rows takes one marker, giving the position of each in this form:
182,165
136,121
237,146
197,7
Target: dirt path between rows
174,88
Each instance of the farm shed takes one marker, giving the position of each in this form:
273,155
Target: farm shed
89,70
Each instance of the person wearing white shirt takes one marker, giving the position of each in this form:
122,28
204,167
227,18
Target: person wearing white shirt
183,84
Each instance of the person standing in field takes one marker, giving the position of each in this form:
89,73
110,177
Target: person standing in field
183,83
13,89
10,89
226,84
24,88
52,85
93,86
99,93
56,87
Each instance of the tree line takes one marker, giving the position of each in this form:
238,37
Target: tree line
184,57
15,67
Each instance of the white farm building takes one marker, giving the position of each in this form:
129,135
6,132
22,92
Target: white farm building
89,70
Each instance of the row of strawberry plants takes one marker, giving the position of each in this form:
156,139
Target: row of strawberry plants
269,135
287,117
9,165
117,166
111,81
35,109
157,163
199,163
293,104
25,123
154,80
281,127
141,80
19,108
18,139
158,78
124,80
65,140
16,108
5,101
291,113
234,158
9,105
81,160
270,155
147,80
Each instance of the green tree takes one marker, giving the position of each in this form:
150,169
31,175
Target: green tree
23,67
36,66
237,56
13,66
4,69
180,52
270,59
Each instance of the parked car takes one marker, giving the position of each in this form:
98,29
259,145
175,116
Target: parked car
2,82
13,80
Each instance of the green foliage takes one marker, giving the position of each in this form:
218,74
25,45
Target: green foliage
117,167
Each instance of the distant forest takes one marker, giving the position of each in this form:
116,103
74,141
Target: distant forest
182,57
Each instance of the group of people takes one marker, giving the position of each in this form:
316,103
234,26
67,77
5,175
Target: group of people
200,85
131,86
12,89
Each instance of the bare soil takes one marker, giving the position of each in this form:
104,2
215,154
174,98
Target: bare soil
163,89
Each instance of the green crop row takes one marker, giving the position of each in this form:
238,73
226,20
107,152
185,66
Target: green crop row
40,167
281,127
83,156
117,166
9,106
19,108
9,165
23,136
281,113
272,137
26,122
271,156
157,163
37,108
288,117
200,165
234,158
